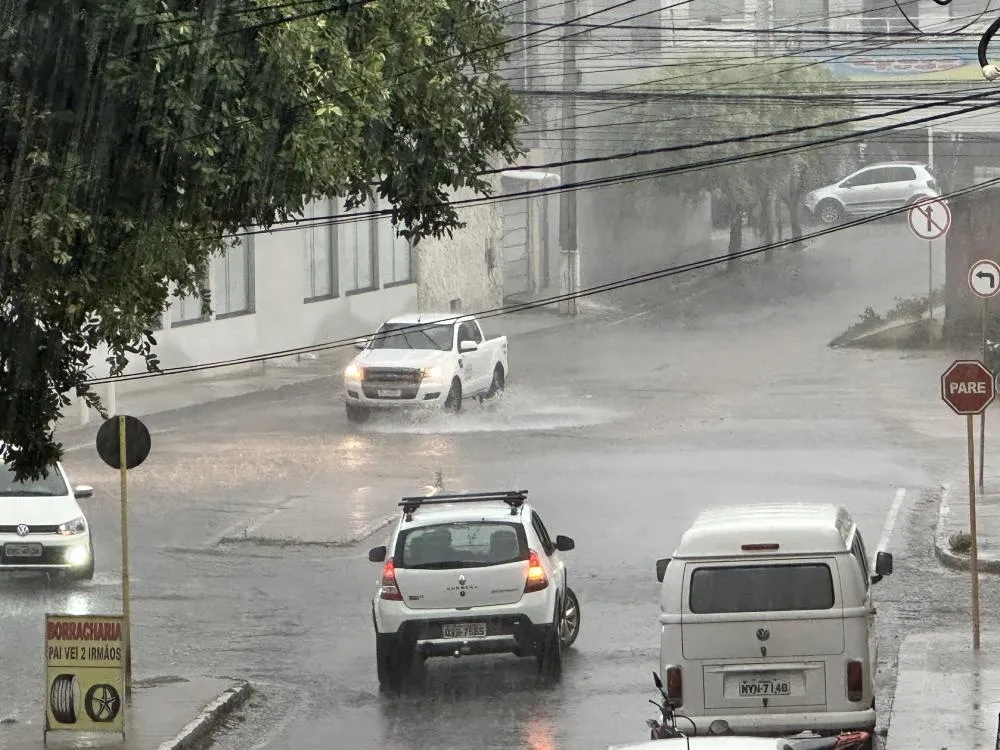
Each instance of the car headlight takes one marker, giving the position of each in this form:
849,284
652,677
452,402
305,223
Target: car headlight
353,372
77,556
433,372
76,526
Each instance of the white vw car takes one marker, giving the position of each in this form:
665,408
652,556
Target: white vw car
42,527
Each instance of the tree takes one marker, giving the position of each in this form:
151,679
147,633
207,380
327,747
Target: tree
718,101
137,135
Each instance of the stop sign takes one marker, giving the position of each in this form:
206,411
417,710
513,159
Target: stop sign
967,386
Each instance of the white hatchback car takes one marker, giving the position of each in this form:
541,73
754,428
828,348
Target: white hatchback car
42,527
475,573
874,189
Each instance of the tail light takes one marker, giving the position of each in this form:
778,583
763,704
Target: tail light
675,687
537,580
855,681
389,590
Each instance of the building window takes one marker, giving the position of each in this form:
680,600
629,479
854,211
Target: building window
394,252
188,309
717,11
359,240
232,280
320,246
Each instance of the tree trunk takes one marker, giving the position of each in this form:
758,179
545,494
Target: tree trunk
795,219
767,221
735,234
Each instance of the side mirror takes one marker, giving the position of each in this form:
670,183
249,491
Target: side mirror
377,554
883,566
82,491
564,543
467,346
661,568
362,344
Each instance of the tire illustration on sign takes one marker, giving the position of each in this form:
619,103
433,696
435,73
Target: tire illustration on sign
102,703
64,698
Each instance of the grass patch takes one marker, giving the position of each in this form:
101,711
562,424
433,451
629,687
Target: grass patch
905,309
960,543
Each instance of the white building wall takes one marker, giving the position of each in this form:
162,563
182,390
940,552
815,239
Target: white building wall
279,309
465,272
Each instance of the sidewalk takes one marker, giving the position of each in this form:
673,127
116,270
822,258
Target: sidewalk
947,697
166,714
141,398
953,518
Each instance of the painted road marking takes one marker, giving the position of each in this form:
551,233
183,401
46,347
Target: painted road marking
890,520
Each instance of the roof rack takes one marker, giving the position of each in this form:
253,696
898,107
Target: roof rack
514,498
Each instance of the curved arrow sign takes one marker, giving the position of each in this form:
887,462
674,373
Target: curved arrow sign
984,278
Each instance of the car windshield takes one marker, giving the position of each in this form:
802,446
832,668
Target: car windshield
462,545
761,588
51,486
410,336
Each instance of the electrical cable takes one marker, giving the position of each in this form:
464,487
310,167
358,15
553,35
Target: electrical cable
658,172
971,23
990,72
634,280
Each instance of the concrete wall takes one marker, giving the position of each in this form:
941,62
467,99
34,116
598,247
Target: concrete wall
466,269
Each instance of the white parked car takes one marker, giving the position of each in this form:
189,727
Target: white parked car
874,189
424,360
42,527
475,573
768,622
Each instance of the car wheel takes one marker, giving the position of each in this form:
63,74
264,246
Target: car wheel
550,655
357,414
497,386
569,625
453,402
829,211
64,698
388,662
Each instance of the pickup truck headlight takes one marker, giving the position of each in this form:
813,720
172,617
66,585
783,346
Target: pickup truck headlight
433,373
353,372
71,528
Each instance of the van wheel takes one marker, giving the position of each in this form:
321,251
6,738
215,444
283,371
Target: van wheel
498,383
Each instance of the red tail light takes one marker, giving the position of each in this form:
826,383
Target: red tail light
675,687
537,580
389,590
855,681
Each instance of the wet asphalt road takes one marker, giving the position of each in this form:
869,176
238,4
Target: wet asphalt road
623,427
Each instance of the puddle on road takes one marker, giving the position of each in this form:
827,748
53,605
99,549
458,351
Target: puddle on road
520,409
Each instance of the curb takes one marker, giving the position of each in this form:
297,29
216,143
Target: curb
941,547
195,732
359,536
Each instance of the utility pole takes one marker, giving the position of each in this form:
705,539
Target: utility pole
567,200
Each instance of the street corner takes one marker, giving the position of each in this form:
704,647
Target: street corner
334,518
952,543
213,699
166,713
940,676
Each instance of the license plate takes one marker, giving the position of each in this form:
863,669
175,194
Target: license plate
464,630
764,688
389,392
23,550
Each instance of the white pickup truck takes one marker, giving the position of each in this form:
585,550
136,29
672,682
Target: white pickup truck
428,360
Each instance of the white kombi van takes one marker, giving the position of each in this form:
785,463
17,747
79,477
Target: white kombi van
768,625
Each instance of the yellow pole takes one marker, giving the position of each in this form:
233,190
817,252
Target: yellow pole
974,556
127,636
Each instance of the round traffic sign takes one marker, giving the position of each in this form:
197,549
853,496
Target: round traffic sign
984,278
137,442
929,219
967,386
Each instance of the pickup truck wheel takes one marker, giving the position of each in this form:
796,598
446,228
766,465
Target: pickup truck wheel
497,386
454,401
357,414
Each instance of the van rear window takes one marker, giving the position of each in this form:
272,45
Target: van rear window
761,588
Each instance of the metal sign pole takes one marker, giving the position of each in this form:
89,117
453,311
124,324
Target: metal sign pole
127,634
974,553
982,416
930,281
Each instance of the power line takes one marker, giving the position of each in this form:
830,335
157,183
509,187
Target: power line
675,270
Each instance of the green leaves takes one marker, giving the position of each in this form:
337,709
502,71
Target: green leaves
144,131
